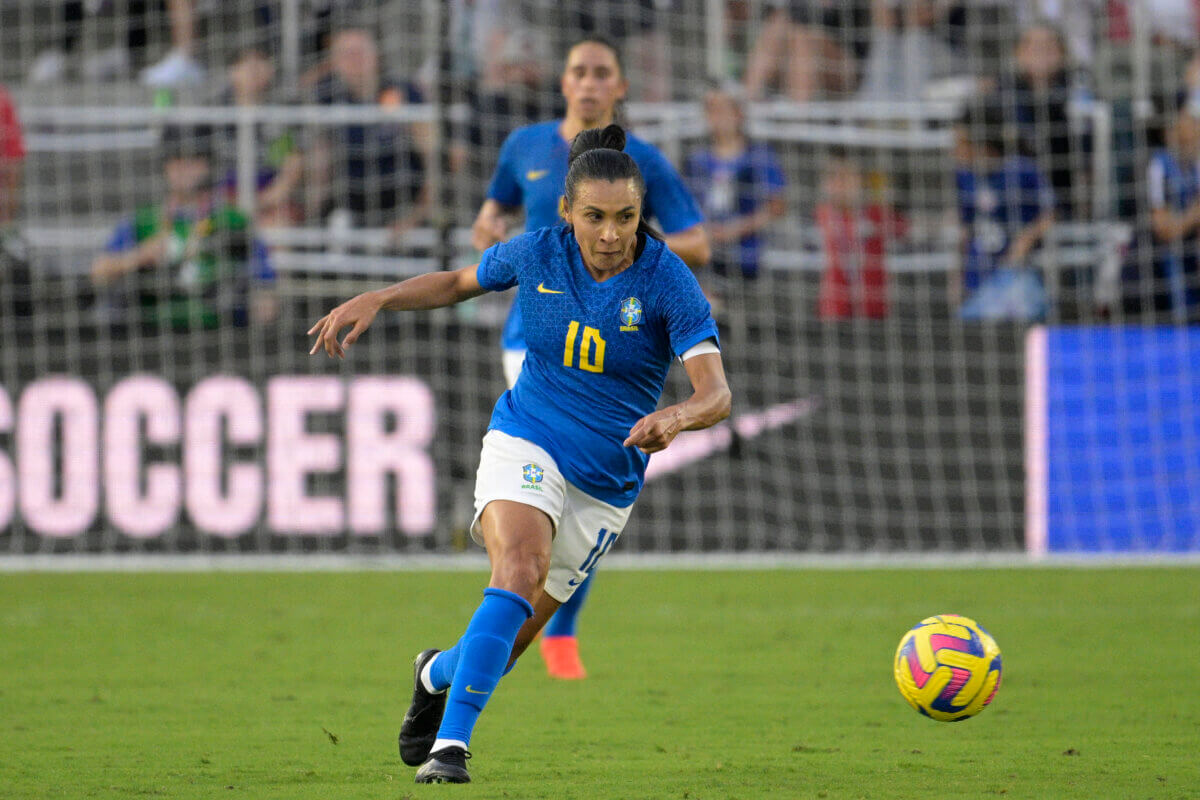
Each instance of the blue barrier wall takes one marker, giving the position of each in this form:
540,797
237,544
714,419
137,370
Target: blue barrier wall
1121,440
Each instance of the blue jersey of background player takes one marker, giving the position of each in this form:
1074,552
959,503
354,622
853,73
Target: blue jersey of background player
609,307
533,164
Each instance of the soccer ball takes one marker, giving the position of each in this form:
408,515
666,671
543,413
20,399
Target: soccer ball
948,667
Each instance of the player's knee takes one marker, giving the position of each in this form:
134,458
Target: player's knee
521,576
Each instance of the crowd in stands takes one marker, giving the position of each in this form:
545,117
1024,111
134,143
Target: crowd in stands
1022,149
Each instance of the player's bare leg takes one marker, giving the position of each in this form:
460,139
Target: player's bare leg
518,539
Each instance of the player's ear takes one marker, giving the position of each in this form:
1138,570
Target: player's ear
563,211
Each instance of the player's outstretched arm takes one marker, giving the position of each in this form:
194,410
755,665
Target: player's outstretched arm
431,290
709,404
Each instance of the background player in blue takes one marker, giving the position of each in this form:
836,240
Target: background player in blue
529,175
609,308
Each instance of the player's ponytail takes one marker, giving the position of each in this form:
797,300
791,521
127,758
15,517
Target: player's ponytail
598,154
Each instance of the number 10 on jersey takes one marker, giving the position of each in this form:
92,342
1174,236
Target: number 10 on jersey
591,348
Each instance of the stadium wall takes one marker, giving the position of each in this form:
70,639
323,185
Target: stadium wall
1112,428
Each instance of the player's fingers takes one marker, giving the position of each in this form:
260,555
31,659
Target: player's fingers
353,335
320,340
635,433
329,338
320,322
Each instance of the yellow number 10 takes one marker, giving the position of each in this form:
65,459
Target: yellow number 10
591,349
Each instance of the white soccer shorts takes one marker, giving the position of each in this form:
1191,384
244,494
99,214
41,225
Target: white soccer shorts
585,528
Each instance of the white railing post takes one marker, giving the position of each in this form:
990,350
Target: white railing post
247,161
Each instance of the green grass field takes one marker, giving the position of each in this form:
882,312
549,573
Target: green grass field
705,685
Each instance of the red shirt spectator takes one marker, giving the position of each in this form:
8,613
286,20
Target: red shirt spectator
12,146
12,153
854,283
855,237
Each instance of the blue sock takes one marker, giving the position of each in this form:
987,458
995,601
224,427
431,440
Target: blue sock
482,655
563,621
441,673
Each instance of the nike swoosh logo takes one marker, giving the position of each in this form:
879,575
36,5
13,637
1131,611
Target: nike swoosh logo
542,288
573,582
536,174
474,691
692,446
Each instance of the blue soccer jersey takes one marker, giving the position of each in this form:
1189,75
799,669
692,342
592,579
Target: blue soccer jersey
598,352
532,171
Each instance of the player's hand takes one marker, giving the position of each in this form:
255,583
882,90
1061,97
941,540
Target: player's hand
359,312
107,268
487,230
654,432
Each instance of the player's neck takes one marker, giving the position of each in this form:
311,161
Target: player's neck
571,126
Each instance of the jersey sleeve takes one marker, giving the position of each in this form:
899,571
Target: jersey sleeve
504,188
685,311
497,269
667,198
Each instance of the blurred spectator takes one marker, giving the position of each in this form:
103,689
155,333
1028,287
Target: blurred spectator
856,235
809,47
1173,190
498,56
1035,98
1006,208
322,20
176,68
906,54
1078,19
738,184
12,158
1171,21
203,266
111,63
279,165
377,169
633,26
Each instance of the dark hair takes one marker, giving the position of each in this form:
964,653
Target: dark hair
595,38
599,154
187,141
986,125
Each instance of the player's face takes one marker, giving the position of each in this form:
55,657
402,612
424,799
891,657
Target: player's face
605,216
592,83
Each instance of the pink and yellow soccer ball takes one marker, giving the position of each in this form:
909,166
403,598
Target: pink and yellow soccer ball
948,667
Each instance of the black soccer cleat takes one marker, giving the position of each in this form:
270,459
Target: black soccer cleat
448,765
419,729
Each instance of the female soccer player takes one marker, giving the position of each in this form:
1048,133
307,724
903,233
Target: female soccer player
566,451
530,174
